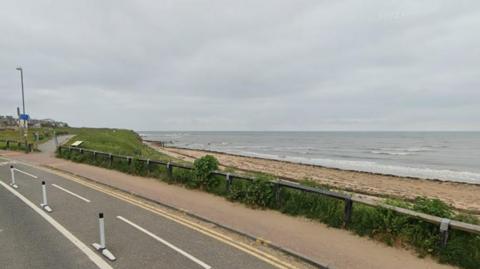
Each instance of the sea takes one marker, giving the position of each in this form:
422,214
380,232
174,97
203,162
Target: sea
448,156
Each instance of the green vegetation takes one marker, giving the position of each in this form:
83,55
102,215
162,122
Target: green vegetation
15,135
463,249
202,171
115,141
44,134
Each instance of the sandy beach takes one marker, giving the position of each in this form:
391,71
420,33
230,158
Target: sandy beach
463,196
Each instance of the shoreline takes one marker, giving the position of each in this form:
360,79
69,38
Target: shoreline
461,195
317,165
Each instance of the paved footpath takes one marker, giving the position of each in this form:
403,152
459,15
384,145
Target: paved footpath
335,247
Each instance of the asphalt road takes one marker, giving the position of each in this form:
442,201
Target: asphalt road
139,236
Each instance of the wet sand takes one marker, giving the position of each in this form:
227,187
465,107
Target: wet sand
462,196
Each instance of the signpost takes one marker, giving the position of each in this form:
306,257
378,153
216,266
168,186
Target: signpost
23,118
24,125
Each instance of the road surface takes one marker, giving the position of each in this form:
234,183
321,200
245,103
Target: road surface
138,234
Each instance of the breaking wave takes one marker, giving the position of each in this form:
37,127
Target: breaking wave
374,167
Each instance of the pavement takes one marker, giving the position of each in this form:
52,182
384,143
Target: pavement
49,146
335,247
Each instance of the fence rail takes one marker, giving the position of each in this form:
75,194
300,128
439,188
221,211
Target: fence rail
444,224
19,144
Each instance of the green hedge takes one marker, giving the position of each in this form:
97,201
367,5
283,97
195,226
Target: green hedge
463,249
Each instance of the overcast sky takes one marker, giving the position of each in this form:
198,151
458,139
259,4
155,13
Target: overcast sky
244,65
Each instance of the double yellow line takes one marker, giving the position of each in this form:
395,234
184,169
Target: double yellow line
183,221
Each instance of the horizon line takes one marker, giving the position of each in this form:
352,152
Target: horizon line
366,131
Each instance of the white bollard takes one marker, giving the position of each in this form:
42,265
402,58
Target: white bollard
101,222
12,173
45,205
102,248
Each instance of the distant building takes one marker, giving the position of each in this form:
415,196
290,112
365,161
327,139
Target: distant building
12,122
8,121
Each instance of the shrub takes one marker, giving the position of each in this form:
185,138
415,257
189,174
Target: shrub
140,167
183,176
325,209
259,193
202,171
433,207
462,249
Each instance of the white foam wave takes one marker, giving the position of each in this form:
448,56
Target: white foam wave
374,167
400,151
395,153
411,149
426,173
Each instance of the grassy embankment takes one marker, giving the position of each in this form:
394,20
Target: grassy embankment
463,249
115,141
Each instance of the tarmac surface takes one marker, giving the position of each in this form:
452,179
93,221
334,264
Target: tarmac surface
137,237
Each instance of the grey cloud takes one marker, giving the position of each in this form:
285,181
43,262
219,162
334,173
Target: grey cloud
244,65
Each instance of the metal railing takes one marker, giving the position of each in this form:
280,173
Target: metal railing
444,224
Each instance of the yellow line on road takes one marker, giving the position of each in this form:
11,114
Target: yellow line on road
195,226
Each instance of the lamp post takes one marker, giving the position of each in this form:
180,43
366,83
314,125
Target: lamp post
25,134
23,95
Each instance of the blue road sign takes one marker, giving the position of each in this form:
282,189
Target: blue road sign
24,117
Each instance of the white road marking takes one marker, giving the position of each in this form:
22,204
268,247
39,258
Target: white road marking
71,193
90,253
25,173
199,262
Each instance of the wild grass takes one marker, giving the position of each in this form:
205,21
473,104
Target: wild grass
115,141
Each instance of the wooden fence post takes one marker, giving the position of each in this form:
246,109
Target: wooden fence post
169,170
277,193
444,225
147,164
131,167
347,212
110,160
228,179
